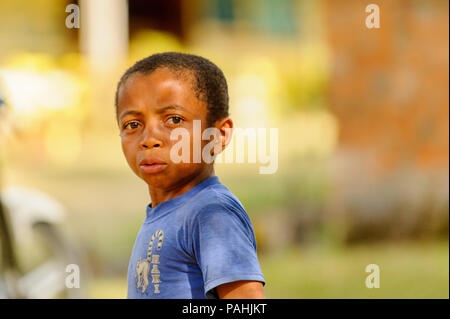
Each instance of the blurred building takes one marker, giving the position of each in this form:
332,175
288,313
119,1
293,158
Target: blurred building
389,91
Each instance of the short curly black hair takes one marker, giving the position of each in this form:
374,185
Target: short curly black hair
210,87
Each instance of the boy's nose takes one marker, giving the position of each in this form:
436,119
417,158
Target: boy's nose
150,138
151,142
150,146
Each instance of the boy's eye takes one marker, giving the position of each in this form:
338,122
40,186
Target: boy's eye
175,119
131,125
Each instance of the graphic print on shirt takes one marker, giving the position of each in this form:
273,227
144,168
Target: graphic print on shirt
143,265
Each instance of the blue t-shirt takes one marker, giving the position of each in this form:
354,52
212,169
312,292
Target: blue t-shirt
193,243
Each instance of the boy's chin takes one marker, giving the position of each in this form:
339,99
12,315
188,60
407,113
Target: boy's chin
156,180
160,181
169,179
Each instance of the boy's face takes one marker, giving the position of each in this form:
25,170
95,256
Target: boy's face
150,106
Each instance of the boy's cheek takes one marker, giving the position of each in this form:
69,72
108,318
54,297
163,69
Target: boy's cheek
127,145
131,162
130,156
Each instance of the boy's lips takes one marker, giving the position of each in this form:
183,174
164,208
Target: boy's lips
152,166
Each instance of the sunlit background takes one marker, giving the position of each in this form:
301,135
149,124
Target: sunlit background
363,119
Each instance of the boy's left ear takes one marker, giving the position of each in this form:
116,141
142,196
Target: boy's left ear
225,126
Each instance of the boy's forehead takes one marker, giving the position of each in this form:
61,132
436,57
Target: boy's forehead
158,88
155,81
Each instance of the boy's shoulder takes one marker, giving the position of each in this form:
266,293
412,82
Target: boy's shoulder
215,209
214,200
216,195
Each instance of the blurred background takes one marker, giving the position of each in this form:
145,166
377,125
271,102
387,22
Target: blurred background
363,119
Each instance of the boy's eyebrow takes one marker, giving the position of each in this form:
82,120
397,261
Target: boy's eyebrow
130,112
172,107
160,110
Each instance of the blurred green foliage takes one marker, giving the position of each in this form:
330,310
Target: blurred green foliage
407,270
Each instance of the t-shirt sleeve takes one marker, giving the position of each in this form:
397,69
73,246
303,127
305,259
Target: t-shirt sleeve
225,247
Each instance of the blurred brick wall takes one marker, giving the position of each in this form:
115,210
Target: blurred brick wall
389,91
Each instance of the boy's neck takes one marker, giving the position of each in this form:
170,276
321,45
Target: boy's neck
159,196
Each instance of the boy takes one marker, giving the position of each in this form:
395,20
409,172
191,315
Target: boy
196,241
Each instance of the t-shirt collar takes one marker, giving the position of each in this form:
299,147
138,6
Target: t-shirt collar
152,213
